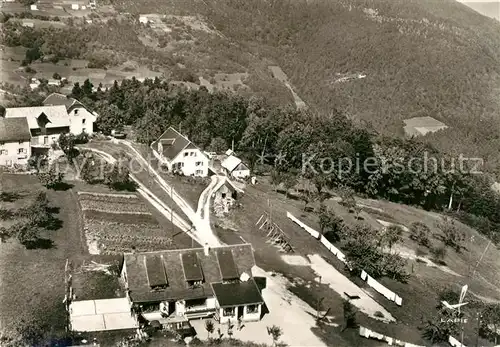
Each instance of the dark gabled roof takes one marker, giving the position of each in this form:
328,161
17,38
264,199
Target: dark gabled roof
241,166
61,99
177,287
14,129
174,143
238,293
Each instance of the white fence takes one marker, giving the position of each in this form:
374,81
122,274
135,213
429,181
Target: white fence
454,342
390,295
370,334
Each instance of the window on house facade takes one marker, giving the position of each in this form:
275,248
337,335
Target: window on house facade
2,143
20,150
45,140
83,121
186,154
76,112
199,172
252,308
194,283
20,142
228,311
3,152
199,163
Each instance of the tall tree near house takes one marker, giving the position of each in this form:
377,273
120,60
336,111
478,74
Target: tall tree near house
110,118
209,327
77,91
275,332
87,89
67,144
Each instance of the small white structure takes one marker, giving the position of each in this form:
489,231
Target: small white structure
143,20
75,6
235,167
84,7
28,24
34,7
420,126
102,315
179,154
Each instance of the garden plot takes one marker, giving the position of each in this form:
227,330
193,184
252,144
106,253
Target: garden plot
116,223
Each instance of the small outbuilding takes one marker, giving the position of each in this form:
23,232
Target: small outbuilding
234,167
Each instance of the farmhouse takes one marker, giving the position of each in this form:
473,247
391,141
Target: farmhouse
45,123
419,126
179,154
233,166
174,286
15,139
81,120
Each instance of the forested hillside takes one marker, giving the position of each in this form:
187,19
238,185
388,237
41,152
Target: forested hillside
420,57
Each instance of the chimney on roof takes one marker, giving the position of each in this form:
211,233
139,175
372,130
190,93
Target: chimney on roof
206,248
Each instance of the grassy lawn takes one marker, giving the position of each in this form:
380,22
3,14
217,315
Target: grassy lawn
419,294
32,281
141,173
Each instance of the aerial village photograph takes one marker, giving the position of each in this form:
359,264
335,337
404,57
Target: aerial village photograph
253,173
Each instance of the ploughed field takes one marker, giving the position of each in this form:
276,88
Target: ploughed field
115,223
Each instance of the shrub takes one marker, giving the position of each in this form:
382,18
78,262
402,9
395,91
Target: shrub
452,237
438,254
420,232
29,69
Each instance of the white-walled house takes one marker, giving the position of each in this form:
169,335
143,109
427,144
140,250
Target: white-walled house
81,119
45,124
179,154
234,167
15,148
174,286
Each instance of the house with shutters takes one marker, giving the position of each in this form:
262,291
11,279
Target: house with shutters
80,118
179,154
45,124
174,286
15,137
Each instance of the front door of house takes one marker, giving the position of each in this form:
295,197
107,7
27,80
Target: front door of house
240,311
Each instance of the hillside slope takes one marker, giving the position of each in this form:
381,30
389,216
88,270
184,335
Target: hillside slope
420,57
